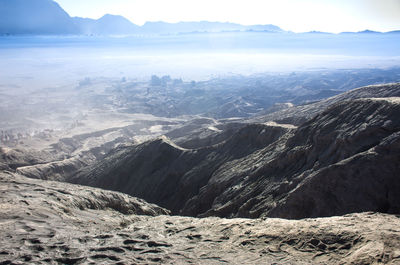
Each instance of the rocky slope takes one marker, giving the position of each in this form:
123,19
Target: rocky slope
61,156
44,222
326,166
330,166
69,197
169,175
344,160
299,114
204,132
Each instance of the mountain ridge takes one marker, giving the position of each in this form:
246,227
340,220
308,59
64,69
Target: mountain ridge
49,18
106,25
34,17
257,170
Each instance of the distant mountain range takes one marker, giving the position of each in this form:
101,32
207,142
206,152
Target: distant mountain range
35,17
106,25
46,17
203,26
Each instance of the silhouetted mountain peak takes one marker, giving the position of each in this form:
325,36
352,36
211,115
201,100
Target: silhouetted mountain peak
367,31
34,17
47,17
114,24
114,18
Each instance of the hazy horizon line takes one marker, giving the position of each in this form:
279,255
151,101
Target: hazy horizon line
235,23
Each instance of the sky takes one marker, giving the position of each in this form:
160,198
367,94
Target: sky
293,15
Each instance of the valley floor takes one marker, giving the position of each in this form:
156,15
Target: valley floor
45,222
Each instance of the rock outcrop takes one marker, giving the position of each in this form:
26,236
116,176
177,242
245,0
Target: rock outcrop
299,114
330,165
70,198
344,160
163,173
44,222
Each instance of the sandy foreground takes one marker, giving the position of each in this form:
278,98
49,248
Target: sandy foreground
44,222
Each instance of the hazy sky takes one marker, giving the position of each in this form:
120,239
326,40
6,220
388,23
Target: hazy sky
294,15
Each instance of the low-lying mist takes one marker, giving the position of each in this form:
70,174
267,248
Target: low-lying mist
67,85
51,59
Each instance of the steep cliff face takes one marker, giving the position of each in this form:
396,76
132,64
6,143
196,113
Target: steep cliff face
164,173
368,180
343,160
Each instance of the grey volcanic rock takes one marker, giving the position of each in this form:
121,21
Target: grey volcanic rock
358,170
346,159
11,159
330,165
69,197
64,158
272,170
61,159
264,180
203,132
59,223
299,114
368,180
56,170
168,175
